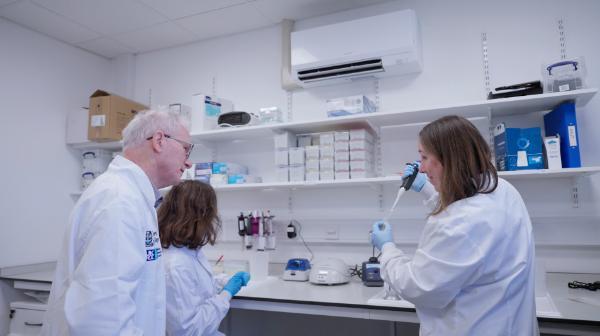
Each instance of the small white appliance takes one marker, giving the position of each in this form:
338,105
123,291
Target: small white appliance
297,269
330,271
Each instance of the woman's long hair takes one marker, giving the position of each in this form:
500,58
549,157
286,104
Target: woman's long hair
188,216
465,157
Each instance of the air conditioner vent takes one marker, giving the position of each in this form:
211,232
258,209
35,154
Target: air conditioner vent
347,69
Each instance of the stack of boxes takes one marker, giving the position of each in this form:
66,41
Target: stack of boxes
326,156
361,154
341,148
283,142
220,173
337,155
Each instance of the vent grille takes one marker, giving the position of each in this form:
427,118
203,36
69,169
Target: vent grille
341,70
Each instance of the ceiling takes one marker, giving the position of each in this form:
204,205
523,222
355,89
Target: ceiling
111,28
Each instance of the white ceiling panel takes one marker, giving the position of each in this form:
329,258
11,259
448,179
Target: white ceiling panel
41,20
6,2
105,47
106,16
226,21
176,9
276,10
156,37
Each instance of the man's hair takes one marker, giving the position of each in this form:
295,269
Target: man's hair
465,157
145,123
188,216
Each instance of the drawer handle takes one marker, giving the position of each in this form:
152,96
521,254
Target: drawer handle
33,324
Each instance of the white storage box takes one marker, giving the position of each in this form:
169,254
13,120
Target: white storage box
342,155
312,175
228,168
326,164
326,174
282,157
282,174
304,140
326,151
361,134
349,105
342,174
284,140
360,144
296,156
206,111
312,152
312,164
358,155
341,136
218,179
326,139
297,173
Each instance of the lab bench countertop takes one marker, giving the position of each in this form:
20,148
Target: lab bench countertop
355,295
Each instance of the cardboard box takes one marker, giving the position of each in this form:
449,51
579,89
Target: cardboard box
109,114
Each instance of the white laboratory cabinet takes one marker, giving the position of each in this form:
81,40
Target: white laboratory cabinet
26,318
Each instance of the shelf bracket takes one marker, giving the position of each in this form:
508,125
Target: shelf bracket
486,62
562,38
291,201
380,198
575,191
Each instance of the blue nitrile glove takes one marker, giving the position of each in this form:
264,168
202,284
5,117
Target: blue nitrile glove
419,181
381,234
237,281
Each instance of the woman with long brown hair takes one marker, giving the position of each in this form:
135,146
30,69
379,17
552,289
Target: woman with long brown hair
473,270
188,220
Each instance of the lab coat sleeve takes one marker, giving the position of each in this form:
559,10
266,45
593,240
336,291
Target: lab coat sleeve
189,314
99,300
442,266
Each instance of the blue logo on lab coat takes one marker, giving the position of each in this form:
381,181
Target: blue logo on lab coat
149,240
153,254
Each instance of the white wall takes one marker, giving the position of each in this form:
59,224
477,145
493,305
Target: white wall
521,37
41,81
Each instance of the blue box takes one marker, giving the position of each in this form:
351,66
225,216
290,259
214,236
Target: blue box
562,121
518,148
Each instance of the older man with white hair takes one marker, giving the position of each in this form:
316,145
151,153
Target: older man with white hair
109,277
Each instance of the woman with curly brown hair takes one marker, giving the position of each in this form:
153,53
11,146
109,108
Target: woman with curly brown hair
188,220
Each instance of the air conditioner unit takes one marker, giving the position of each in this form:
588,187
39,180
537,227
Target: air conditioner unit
375,46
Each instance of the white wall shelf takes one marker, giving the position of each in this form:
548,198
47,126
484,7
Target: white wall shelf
496,107
111,145
376,181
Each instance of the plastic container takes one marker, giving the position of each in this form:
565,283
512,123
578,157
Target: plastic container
565,75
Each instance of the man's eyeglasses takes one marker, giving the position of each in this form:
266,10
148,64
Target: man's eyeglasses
186,145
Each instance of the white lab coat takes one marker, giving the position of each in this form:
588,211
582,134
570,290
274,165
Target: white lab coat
194,306
473,271
109,277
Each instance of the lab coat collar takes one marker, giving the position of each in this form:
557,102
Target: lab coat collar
138,176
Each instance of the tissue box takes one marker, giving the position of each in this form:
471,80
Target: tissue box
349,105
518,148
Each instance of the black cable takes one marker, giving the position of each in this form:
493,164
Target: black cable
593,286
302,238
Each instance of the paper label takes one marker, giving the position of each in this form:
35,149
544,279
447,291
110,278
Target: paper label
522,159
212,109
98,120
572,136
564,87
